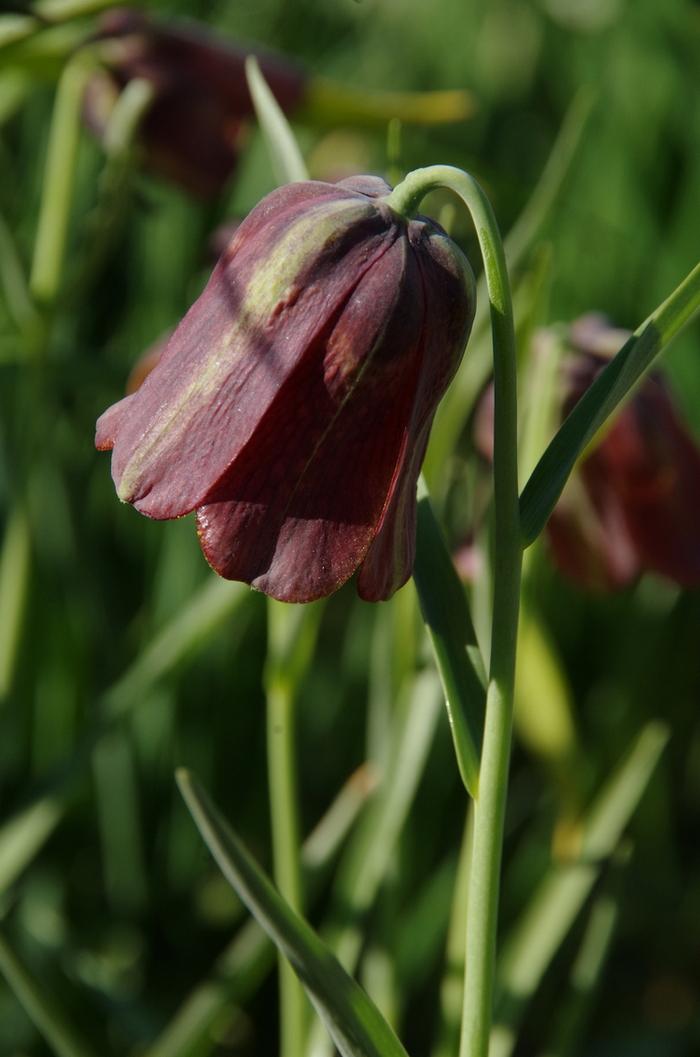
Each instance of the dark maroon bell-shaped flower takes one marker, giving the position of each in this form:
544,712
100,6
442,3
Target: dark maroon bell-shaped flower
634,503
193,130
292,406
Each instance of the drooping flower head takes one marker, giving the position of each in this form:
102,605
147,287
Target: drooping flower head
292,406
195,126
634,504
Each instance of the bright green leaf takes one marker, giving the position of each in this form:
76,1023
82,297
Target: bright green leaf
446,614
287,161
355,1024
542,491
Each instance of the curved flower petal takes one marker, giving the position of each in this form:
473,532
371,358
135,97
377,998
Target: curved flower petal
293,404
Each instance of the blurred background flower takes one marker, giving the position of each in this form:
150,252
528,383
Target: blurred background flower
634,503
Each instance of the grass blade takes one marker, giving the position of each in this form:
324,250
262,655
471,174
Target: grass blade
49,1019
23,835
565,887
287,161
445,610
355,1024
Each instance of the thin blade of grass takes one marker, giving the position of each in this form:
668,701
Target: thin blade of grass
564,889
23,835
354,1023
445,610
51,1021
247,960
287,161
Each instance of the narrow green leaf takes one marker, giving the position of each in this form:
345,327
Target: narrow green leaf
14,28
564,889
542,491
287,161
246,961
59,177
49,1019
539,206
355,1024
445,609
371,853
14,579
23,835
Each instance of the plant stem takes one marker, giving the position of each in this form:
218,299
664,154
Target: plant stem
281,682
59,173
482,909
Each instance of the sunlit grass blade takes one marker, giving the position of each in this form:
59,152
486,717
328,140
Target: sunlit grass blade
563,891
354,1023
447,618
247,960
51,1021
549,186
287,161
64,10
576,1006
23,835
15,28
59,178
544,487
371,852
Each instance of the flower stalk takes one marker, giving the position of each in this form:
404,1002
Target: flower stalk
482,909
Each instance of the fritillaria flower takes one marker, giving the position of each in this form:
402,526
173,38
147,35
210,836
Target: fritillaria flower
193,130
292,406
634,503
197,122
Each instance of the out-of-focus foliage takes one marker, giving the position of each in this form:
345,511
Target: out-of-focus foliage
121,658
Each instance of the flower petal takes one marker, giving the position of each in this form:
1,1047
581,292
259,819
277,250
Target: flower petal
301,523
286,274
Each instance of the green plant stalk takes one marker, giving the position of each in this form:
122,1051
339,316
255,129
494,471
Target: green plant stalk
45,1012
59,176
482,909
281,766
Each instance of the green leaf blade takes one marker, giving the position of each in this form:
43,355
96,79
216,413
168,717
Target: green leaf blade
448,621
544,487
357,1027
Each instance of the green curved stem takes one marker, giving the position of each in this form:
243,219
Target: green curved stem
489,815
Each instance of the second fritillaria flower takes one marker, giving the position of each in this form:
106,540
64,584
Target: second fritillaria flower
292,406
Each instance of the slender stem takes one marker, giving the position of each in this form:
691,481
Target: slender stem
280,689
59,174
482,909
